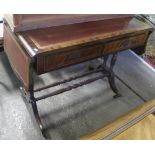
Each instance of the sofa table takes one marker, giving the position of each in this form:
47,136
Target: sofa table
46,49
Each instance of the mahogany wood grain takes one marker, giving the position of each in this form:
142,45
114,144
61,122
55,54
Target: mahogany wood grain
51,61
18,58
51,39
125,43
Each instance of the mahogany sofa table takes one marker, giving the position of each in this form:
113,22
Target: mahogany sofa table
43,50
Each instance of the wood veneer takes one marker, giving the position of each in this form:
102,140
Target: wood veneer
19,60
56,47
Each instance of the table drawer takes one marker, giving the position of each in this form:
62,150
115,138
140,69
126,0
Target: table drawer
64,58
125,43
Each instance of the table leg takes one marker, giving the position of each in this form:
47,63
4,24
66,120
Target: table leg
29,96
35,109
111,77
33,102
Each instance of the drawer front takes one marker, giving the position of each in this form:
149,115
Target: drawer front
57,60
125,43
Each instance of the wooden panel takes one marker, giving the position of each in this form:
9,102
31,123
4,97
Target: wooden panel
64,58
125,43
18,59
119,125
22,22
144,130
79,54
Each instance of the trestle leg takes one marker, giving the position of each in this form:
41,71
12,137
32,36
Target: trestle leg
107,72
111,77
29,96
33,101
35,109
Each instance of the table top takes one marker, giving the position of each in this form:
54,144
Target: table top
53,38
